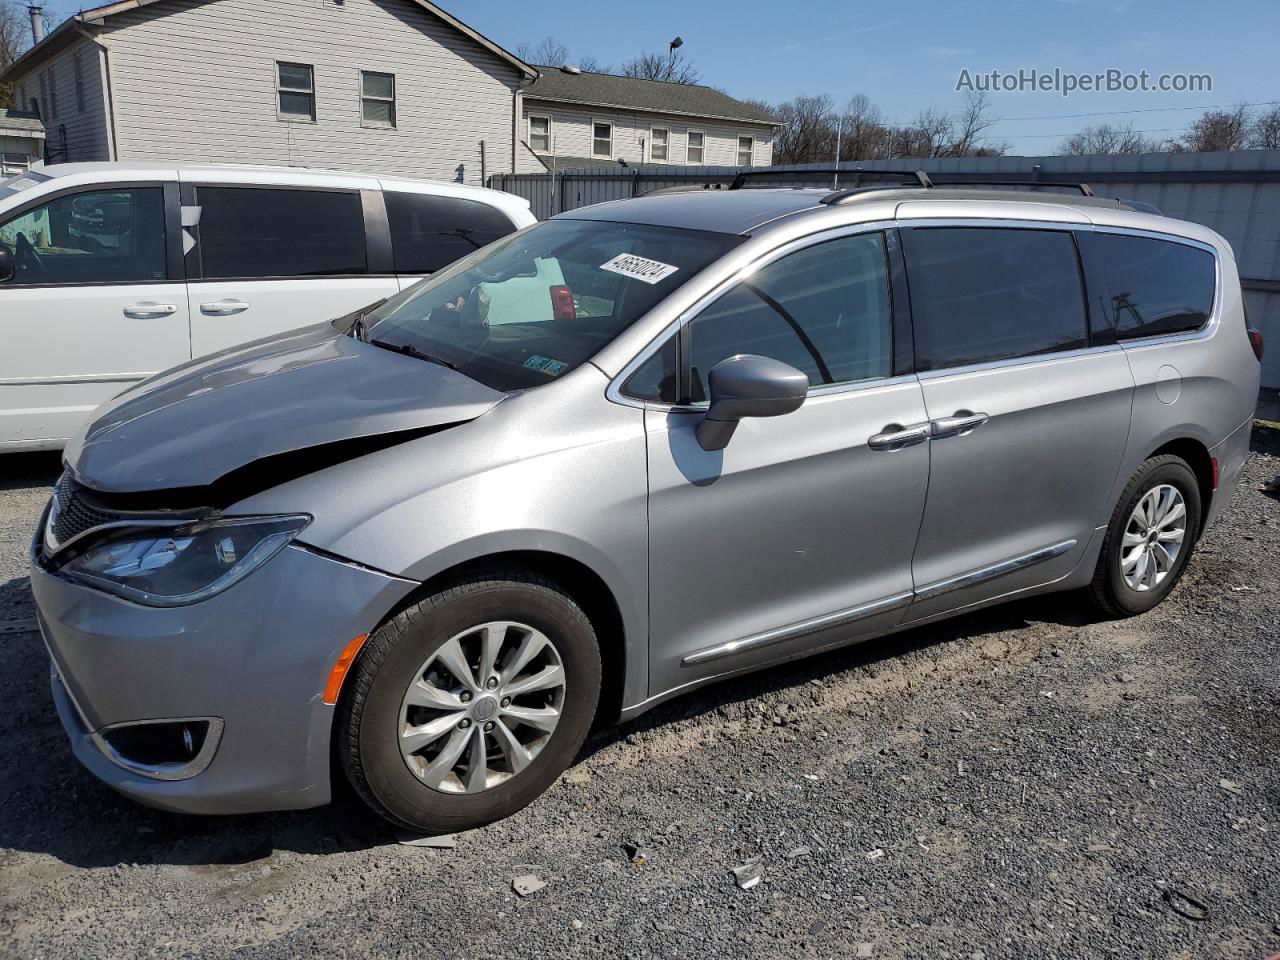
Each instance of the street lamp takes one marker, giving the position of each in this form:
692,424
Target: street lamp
671,54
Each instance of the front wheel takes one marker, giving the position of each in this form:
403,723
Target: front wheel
466,706
1149,539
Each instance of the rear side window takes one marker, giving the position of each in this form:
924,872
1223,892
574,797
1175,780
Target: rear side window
258,232
980,295
1154,286
824,309
430,232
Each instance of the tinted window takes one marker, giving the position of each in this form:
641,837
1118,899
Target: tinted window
824,310
979,295
534,305
1155,286
257,232
106,236
431,232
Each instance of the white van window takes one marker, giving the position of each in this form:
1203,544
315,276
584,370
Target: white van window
429,232
99,237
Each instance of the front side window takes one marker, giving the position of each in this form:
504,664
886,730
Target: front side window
1155,286
540,134
746,151
824,309
535,305
602,139
981,295
658,141
430,232
98,237
377,99
255,232
296,91
695,151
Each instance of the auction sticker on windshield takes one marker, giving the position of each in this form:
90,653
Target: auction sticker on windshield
639,268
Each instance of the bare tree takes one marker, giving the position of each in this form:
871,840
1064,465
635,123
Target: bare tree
589,64
1217,130
549,52
968,126
863,134
673,67
806,130
1264,132
15,37
1106,138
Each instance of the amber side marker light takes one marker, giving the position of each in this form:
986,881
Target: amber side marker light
340,668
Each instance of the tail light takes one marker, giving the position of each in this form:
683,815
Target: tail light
562,307
1255,339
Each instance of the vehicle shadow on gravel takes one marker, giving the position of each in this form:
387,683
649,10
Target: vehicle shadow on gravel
50,805
23,470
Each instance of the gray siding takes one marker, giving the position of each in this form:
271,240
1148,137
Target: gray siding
80,134
196,81
571,126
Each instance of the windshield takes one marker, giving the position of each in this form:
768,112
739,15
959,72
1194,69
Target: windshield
12,186
532,306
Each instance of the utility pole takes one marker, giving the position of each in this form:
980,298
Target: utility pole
835,180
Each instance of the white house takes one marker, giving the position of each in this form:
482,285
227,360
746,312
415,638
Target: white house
393,86
21,140
578,119
397,86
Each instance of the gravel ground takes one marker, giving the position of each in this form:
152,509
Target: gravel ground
1020,782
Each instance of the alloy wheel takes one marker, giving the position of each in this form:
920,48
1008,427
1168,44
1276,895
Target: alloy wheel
482,707
1153,538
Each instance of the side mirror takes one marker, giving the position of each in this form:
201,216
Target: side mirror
748,386
6,264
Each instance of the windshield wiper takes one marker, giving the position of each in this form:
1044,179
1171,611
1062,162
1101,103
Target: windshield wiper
409,350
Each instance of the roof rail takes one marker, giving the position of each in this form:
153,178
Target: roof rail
977,183
918,177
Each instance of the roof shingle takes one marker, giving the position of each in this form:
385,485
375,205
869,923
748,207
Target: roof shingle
633,93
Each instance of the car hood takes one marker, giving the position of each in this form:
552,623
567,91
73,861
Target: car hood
313,389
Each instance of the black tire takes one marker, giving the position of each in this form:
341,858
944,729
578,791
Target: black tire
368,721
1109,591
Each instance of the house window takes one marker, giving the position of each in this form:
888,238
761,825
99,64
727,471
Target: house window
540,134
378,99
659,139
296,90
694,153
79,71
602,139
746,151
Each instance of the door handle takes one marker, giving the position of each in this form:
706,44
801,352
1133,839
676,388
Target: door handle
149,311
895,437
957,426
223,308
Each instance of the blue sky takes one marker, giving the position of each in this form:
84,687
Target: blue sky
906,56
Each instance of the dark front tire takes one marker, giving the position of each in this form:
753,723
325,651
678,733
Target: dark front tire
1149,539
466,706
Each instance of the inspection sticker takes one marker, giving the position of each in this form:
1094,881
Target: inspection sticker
639,268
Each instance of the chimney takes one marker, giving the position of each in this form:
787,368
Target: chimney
37,22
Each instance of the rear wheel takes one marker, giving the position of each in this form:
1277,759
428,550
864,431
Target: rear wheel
465,707
1149,539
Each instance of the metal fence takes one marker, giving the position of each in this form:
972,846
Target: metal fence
1235,193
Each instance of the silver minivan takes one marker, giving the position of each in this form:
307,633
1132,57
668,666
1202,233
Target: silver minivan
619,454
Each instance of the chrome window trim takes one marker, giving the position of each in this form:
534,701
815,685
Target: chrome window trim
614,393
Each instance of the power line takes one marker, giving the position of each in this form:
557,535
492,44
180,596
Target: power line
1032,136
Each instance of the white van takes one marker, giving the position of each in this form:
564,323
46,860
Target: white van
110,272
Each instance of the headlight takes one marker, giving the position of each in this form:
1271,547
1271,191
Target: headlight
182,565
